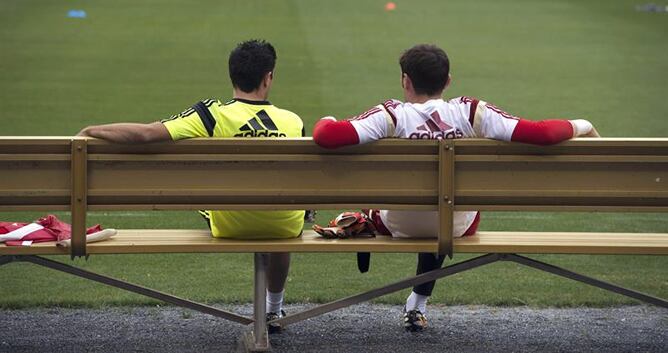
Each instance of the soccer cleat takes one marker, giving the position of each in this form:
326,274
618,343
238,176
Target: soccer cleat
274,328
414,321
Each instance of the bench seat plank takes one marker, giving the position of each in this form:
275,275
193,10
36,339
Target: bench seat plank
130,241
564,243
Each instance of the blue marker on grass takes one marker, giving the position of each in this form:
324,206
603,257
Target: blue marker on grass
76,14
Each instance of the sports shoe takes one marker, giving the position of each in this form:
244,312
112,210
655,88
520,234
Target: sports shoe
414,321
274,328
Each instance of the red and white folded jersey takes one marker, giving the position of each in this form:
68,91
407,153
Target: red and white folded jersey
435,119
48,228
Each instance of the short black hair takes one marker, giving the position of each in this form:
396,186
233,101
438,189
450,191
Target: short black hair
427,66
249,62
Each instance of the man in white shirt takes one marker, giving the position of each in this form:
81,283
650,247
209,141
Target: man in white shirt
425,115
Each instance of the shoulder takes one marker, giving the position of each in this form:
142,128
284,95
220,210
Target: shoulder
286,114
213,104
209,104
463,100
392,104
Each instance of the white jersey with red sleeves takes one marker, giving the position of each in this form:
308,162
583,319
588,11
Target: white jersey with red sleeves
461,117
435,119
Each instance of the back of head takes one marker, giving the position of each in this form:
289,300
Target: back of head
428,68
249,62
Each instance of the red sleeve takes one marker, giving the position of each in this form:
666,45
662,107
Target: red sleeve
544,132
333,134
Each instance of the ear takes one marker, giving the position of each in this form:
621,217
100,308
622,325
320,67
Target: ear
406,82
268,78
447,83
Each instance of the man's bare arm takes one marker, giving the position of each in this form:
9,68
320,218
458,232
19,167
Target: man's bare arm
128,132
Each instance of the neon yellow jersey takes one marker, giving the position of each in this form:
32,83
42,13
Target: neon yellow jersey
242,118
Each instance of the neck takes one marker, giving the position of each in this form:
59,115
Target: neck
421,98
257,95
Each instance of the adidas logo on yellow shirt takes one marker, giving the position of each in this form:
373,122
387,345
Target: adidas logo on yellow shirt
265,127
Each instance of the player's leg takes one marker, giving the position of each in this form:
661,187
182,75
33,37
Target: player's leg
416,303
278,266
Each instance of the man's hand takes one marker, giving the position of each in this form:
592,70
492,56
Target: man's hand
583,128
84,132
592,133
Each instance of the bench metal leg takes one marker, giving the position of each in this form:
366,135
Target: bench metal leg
257,340
584,279
461,267
374,293
133,288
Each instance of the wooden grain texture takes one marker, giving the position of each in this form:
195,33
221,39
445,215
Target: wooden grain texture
608,174
129,241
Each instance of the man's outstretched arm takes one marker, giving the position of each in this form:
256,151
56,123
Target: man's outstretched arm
486,120
128,132
330,133
549,132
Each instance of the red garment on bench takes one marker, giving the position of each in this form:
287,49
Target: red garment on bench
53,230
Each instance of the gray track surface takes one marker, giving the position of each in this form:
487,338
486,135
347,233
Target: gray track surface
362,328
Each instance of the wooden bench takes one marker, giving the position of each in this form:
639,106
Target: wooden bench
80,175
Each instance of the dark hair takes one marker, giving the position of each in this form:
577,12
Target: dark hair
249,62
427,66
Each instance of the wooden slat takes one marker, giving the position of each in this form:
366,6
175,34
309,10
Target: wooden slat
579,146
34,192
324,193
565,243
316,205
563,158
231,157
200,241
35,145
559,208
264,146
36,207
33,157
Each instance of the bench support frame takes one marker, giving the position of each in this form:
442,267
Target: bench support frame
168,298
261,285
257,339
523,260
465,266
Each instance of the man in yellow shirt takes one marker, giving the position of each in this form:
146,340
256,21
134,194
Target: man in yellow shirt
248,114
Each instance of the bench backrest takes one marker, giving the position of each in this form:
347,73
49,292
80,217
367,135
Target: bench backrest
78,174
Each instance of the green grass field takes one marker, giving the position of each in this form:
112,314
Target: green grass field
143,61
